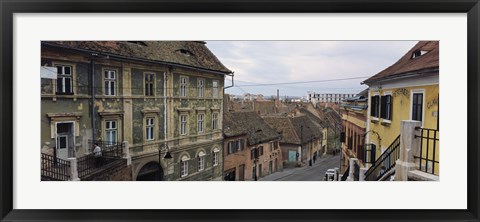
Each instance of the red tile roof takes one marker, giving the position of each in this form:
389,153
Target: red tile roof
406,65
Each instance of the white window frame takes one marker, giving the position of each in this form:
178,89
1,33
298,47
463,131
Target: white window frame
201,162
215,88
112,82
109,130
215,158
153,81
200,123
417,91
215,121
64,76
183,86
183,124
200,86
149,128
184,168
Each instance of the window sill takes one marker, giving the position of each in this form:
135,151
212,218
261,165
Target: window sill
374,120
386,122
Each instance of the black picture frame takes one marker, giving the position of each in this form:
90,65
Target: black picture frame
9,7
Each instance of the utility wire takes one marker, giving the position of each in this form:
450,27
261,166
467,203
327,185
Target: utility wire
313,81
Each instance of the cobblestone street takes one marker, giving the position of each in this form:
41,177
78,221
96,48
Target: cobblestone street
306,173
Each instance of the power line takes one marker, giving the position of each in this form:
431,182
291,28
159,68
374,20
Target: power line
303,82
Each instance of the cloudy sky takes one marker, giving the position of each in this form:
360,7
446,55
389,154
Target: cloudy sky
319,63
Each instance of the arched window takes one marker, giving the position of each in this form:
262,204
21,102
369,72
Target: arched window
201,161
184,165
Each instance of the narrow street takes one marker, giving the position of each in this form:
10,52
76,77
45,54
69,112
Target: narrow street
306,173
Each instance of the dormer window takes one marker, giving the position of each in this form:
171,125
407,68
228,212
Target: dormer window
185,52
418,53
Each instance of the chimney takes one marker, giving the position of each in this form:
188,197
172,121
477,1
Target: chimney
277,103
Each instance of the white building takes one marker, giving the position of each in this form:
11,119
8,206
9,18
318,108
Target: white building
327,97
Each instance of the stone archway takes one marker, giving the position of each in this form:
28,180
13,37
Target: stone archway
152,171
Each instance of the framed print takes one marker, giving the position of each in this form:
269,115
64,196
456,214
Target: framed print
268,110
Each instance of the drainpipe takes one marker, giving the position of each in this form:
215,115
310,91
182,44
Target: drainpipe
232,75
223,115
92,92
165,111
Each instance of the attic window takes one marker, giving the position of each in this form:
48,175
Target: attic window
418,53
138,43
185,52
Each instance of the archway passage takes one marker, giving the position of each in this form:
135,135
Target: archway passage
152,171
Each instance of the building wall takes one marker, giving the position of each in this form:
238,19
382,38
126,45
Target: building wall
233,161
354,124
130,107
401,109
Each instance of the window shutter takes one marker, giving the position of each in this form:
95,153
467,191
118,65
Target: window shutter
372,106
390,99
383,107
372,152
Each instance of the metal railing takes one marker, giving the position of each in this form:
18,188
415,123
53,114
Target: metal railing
385,162
88,165
345,174
54,168
429,151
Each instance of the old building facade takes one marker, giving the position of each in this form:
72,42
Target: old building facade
251,147
159,97
408,90
354,123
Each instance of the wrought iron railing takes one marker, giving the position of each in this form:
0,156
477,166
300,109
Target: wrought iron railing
385,162
345,174
356,171
88,165
54,168
428,161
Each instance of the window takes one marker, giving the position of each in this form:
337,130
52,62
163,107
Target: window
184,168
231,147
375,106
239,145
214,121
149,84
201,161
253,153
109,82
386,107
200,84
149,129
64,80
418,53
62,142
111,131
183,124
215,89
200,123
260,151
417,106
215,158
183,86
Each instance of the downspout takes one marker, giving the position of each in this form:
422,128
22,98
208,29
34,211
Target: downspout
232,75
165,113
165,106
92,92
223,115
123,103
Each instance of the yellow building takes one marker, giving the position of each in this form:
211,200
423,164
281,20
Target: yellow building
354,123
407,90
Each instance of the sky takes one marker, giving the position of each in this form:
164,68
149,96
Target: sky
318,63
